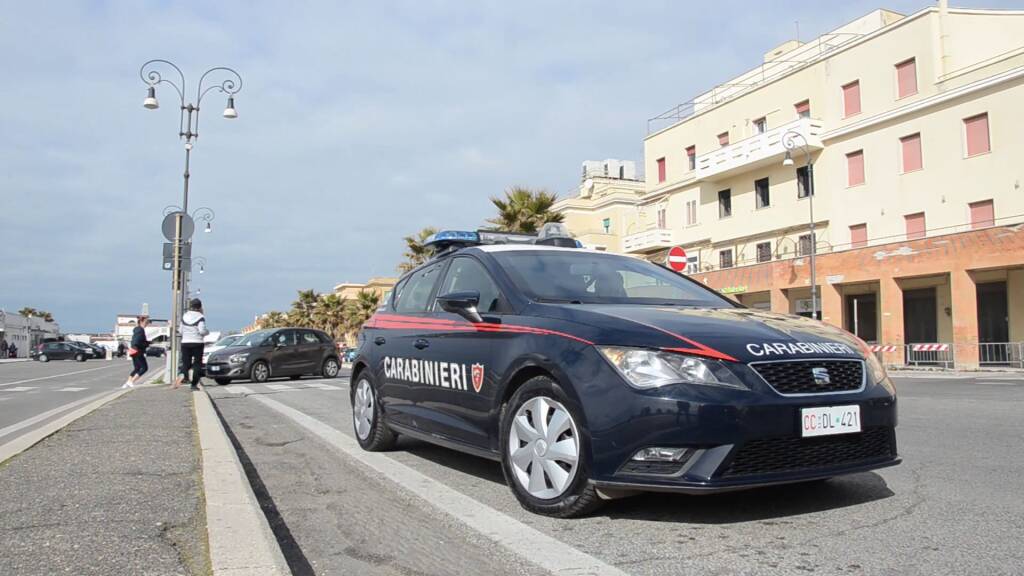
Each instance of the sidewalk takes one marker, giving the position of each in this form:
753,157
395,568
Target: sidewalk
118,491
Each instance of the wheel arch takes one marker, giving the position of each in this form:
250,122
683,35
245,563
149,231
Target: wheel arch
529,368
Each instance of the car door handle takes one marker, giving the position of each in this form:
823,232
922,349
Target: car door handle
379,340
421,344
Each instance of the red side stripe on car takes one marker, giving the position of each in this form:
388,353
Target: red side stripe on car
696,348
397,322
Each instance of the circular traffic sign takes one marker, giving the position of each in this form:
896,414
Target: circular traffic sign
188,226
677,258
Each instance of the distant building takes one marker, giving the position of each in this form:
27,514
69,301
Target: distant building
379,286
606,205
156,332
25,333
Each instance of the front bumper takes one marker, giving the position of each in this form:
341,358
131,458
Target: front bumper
736,438
217,369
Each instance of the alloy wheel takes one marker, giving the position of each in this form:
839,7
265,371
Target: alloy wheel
260,372
362,409
331,368
544,447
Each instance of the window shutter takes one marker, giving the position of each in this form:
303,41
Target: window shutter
915,225
983,214
851,99
661,170
855,168
911,147
906,78
859,235
977,134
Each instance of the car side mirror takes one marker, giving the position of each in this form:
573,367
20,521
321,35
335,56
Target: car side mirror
462,303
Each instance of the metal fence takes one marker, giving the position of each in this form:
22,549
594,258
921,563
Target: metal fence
944,355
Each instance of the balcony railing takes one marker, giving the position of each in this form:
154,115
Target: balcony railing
648,241
757,150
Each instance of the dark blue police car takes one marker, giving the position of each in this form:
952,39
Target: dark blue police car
592,376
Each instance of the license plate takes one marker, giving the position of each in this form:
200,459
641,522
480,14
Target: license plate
214,368
828,420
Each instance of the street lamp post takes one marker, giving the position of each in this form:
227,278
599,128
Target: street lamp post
188,131
790,142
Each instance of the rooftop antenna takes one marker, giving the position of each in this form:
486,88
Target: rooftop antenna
797,22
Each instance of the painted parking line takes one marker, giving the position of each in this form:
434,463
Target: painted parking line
279,387
237,389
20,389
60,375
71,389
319,386
529,543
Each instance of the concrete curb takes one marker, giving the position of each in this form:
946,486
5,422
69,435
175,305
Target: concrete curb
33,437
241,541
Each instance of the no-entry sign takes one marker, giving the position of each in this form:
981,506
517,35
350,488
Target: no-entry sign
677,259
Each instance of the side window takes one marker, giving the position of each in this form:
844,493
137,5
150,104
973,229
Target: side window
284,338
469,274
415,293
309,338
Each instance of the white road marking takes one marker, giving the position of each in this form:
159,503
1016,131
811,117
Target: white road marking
20,389
58,375
40,417
71,389
279,387
322,386
529,543
2,398
238,389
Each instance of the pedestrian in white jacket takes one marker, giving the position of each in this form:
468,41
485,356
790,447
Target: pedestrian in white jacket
192,330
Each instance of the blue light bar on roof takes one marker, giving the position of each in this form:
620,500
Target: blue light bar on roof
453,237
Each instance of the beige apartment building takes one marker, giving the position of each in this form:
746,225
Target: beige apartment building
379,286
914,128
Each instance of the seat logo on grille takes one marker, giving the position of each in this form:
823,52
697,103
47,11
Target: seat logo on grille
821,375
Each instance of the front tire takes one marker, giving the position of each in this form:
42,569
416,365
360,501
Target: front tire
544,448
330,368
260,372
44,358
372,432
79,358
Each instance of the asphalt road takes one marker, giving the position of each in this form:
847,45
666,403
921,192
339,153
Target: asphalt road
34,393
953,507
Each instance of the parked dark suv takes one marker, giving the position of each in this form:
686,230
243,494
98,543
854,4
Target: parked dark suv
58,351
276,352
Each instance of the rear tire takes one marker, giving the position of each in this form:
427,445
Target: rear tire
44,358
330,368
371,431
222,381
260,372
79,358
543,484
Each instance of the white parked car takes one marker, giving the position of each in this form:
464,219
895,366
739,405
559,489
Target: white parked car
220,345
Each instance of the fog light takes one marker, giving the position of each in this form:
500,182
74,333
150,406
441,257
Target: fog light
655,454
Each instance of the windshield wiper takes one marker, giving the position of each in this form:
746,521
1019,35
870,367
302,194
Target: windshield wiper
558,301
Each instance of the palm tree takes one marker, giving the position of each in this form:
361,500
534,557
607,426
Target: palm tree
416,252
301,313
360,310
26,312
273,319
330,314
524,210
47,317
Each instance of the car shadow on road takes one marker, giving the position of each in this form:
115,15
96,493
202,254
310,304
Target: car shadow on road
771,504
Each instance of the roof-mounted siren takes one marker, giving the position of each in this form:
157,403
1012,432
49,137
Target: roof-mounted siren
556,234
446,240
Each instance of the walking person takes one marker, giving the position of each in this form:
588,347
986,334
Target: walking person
3,348
193,329
137,352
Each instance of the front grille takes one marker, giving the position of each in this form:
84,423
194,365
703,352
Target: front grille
773,455
799,377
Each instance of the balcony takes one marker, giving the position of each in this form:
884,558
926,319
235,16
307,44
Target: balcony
758,150
648,241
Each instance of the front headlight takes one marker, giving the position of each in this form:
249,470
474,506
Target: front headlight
644,368
238,358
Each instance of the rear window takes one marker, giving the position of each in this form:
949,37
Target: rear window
586,277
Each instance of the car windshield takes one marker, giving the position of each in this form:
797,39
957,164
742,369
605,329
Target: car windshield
228,340
253,338
586,277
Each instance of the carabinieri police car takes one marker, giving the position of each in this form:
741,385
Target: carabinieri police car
592,376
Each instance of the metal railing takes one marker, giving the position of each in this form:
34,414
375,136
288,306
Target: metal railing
946,355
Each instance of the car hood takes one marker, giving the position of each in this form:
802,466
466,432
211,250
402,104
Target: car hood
225,352
740,334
